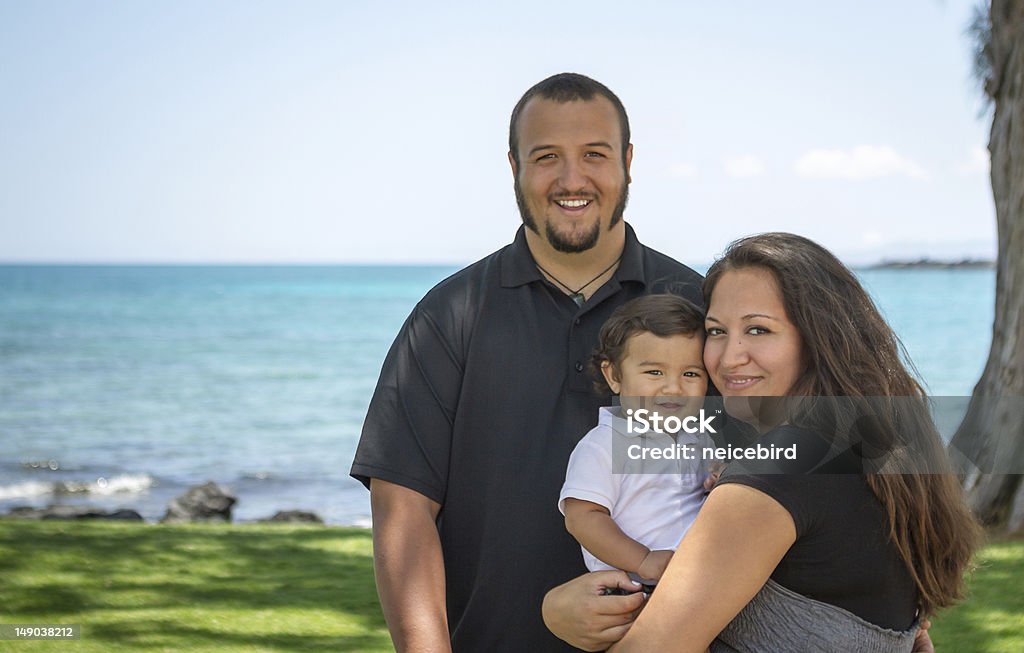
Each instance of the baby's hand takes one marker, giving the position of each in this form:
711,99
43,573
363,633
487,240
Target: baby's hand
654,565
715,470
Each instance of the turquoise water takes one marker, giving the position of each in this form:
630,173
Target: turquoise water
120,386
943,317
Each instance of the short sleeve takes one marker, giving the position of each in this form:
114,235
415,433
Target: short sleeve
801,486
589,473
407,436
791,491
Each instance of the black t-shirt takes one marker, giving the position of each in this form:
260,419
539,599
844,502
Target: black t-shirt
842,554
482,398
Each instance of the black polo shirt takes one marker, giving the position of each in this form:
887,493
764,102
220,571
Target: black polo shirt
481,399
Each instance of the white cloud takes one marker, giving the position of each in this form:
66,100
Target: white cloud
862,162
977,163
743,166
682,170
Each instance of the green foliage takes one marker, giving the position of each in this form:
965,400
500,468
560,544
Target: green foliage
979,33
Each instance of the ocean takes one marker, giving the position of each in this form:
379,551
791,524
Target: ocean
123,385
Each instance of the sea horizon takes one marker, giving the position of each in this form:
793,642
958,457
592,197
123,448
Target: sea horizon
122,384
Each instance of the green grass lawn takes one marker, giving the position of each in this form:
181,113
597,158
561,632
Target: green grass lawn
135,587
992,618
144,588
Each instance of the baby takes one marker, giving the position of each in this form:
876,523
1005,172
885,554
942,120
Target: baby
626,508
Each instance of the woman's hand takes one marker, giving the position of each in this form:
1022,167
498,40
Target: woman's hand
922,641
580,612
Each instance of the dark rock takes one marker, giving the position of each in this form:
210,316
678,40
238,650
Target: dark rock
293,517
202,503
71,512
23,512
125,515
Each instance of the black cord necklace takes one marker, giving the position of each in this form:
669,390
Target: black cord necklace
577,295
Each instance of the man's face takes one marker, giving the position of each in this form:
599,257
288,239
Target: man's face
570,183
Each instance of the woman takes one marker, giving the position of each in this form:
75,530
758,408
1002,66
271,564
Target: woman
823,559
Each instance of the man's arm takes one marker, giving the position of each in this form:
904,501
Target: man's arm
409,567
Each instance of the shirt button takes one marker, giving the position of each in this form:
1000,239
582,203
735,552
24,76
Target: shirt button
577,321
579,366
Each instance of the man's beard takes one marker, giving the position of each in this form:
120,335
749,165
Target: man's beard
568,244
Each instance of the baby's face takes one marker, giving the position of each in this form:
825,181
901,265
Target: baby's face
664,374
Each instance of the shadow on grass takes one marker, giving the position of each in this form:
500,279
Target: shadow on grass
294,588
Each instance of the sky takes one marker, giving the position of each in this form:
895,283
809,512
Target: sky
377,132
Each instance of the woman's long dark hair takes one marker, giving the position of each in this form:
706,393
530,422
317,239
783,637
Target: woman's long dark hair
854,366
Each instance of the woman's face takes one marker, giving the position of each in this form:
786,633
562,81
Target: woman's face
752,349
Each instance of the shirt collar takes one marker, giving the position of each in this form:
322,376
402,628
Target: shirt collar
518,267
611,416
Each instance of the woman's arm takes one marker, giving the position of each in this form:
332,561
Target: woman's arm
738,539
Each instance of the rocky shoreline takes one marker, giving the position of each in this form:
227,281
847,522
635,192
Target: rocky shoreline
935,264
206,503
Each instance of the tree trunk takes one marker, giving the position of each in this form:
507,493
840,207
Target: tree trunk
988,448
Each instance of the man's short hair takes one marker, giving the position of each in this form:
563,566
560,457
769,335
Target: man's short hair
562,88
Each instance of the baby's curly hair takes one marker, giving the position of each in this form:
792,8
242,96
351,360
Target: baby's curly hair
661,314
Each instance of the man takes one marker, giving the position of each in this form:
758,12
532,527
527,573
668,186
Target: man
485,391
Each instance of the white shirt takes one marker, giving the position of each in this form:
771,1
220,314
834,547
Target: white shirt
652,501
